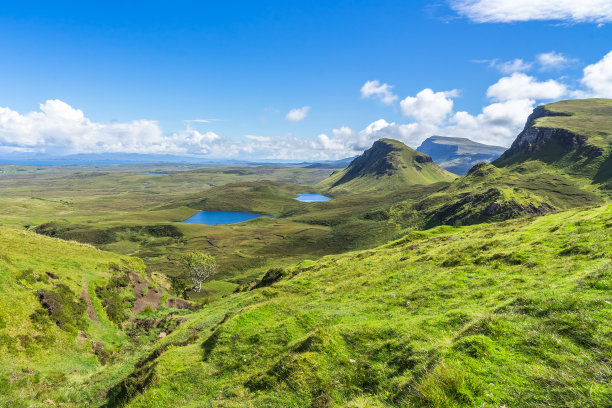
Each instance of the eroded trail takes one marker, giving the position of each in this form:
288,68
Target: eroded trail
91,312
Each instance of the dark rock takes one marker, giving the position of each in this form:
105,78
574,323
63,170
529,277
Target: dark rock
51,275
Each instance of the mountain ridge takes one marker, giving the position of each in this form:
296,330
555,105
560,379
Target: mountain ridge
458,154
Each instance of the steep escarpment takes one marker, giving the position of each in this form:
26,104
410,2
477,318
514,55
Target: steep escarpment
573,136
388,165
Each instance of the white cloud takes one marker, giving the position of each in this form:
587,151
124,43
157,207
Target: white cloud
59,128
553,60
522,86
297,114
498,123
374,89
506,11
429,106
509,67
598,78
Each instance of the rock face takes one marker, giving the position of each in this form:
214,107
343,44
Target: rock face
573,136
459,154
535,139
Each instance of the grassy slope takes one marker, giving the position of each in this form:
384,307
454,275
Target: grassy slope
300,231
489,193
388,166
514,314
588,118
39,360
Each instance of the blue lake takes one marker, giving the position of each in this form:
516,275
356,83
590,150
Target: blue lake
221,217
153,174
311,198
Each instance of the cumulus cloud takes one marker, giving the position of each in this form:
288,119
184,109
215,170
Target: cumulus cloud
258,138
522,86
598,78
346,142
553,60
498,123
506,11
297,114
382,92
429,106
58,128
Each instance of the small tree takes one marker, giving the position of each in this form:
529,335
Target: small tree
178,286
201,267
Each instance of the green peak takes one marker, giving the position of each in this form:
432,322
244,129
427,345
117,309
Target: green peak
388,165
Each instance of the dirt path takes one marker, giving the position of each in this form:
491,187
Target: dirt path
179,304
152,297
90,310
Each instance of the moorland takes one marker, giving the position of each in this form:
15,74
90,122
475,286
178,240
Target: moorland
411,287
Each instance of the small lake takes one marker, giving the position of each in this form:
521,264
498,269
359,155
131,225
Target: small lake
312,198
153,174
221,217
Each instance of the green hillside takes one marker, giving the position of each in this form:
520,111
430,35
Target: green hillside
561,160
65,313
387,166
573,136
513,314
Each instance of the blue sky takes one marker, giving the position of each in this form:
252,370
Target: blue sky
118,77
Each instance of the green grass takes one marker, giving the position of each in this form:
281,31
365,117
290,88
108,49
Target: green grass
512,314
41,352
588,117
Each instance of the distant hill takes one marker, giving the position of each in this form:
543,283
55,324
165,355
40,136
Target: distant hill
387,165
330,164
459,154
574,136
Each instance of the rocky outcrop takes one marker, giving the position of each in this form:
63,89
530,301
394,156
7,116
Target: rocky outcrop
535,139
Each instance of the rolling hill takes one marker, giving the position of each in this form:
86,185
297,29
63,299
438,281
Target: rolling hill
458,154
388,165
